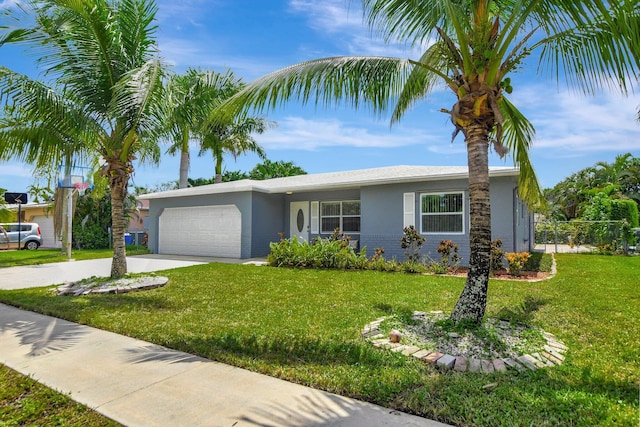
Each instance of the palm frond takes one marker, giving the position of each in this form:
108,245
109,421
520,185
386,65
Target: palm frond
518,134
427,72
411,21
601,50
354,81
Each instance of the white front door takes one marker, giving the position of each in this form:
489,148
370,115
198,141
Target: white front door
299,220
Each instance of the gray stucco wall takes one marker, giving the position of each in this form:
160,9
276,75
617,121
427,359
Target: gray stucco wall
241,200
382,219
267,221
383,224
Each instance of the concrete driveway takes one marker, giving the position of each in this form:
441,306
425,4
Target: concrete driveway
32,276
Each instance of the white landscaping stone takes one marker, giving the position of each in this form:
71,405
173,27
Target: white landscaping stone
528,361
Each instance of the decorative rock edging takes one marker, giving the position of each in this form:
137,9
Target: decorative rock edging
552,355
120,286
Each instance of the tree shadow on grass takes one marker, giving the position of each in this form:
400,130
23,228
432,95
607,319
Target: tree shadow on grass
522,313
291,350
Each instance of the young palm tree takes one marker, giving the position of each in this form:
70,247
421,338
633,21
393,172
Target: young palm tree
192,96
104,98
233,137
473,48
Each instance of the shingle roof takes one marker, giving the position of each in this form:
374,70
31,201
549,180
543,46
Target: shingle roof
334,180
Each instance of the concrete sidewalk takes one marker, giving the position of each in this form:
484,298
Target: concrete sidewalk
141,384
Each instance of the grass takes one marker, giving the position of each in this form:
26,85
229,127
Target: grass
304,326
14,258
25,402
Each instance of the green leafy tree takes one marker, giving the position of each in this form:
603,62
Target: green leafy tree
620,179
474,46
229,176
5,214
105,98
91,221
277,169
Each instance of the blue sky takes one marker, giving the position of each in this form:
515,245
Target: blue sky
254,37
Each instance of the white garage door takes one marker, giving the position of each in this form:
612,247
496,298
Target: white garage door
201,231
46,229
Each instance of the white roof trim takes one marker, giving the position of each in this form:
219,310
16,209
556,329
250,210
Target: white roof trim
334,180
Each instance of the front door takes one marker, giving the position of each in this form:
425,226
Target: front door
299,220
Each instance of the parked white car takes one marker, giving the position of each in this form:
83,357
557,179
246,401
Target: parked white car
28,233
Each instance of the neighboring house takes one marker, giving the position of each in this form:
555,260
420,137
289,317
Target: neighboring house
138,223
240,218
42,213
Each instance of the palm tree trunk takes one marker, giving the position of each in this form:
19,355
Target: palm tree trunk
184,161
218,179
184,170
473,301
118,174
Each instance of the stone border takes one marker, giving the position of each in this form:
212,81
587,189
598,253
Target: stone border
552,355
120,286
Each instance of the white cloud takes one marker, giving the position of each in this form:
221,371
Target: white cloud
16,170
298,133
328,15
566,122
343,21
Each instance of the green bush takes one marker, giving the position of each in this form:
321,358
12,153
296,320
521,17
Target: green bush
322,253
625,209
497,256
411,242
90,236
333,253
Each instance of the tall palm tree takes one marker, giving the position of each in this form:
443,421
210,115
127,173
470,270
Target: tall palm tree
232,137
473,48
192,96
105,97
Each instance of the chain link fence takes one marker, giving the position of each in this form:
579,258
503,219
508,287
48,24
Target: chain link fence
586,236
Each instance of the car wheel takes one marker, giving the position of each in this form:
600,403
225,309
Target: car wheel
32,246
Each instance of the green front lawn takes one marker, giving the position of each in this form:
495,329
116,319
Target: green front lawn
13,258
304,326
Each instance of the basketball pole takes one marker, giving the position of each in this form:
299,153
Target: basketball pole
69,222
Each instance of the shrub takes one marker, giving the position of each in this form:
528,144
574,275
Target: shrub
411,242
449,257
90,236
413,267
516,262
497,256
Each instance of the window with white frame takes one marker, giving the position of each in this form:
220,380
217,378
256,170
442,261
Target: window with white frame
343,215
442,213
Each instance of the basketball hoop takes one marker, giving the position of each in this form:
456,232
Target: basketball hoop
81,187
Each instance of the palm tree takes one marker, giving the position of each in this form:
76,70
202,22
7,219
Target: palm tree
473,48
192,96
234,137
105,98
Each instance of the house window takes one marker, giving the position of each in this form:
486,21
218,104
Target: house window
342,215
442,213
